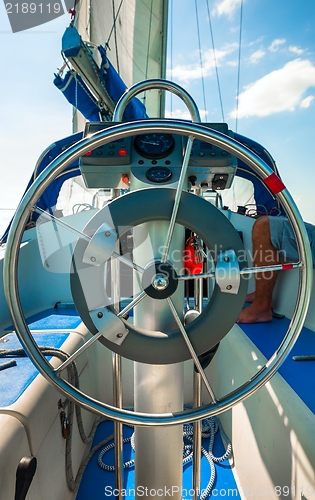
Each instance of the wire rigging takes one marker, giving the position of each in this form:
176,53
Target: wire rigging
239,66
171,50
200,59
149,40
215,61
113,28
115,34
148,49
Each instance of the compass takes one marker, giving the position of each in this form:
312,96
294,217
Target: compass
154,146
158,174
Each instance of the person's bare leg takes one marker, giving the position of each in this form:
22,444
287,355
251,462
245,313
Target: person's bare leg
250,297
264,254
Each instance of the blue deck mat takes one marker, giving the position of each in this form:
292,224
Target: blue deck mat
298,374
14,380
53,319
99,484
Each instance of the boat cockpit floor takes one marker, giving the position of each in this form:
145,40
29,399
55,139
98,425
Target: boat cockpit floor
97,483
298,374
52,328
15,380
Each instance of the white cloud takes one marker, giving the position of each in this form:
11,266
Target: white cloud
186,72
185,115
233,64
226,7
256,56
296,50
280,90
306,102
276,44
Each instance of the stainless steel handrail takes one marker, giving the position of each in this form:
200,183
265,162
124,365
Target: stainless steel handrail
157,84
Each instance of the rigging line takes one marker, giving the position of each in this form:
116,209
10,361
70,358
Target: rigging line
200,59
239,66
215,62
148,50
171,52
114,23
115,35
149,39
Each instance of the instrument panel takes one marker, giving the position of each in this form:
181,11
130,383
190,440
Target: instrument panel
158,156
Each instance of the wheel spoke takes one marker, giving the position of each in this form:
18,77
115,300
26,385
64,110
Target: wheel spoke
128,262
191,350
61,223
247,270
95,337
179,190
78,352
186,277
272,268
132,304
83,236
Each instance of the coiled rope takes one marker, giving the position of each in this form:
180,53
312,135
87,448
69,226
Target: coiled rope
210,427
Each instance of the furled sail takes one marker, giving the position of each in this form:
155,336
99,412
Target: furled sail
134,35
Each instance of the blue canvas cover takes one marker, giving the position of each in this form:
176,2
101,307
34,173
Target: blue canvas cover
76,92
116,88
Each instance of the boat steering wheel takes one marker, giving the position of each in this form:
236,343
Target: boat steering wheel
110,327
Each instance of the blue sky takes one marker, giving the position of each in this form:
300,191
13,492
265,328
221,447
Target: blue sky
277,86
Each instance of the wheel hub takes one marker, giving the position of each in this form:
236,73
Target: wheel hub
160,280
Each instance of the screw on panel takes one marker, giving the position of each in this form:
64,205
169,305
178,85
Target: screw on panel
107,233
99,314
92,259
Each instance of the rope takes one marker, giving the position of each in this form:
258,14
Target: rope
210,427
111,468
73,483
200,59
171,50
115,36
215,61
148,50
114,24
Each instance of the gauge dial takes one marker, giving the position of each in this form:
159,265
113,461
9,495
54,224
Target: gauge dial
154,146
159,174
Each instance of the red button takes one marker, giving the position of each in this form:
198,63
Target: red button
125,178
122,152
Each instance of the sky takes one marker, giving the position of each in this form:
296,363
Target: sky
276,81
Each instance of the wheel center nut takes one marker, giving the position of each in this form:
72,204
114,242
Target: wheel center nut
160,282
